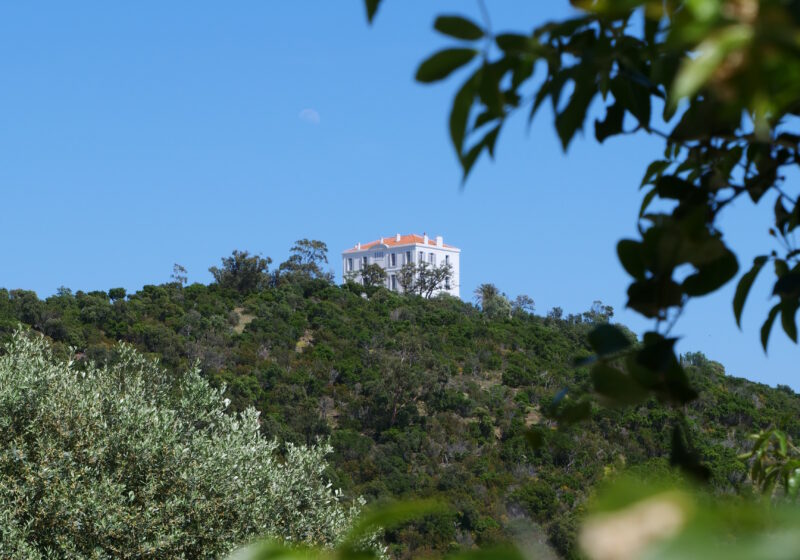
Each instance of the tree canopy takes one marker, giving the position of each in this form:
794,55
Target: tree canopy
129,461
241,271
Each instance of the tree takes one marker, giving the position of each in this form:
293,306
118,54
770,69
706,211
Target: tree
484,293
493,304
425,279
372,276
431,278
555,314
307,260
598,313
726,82
127,461
404,377
407,278
116,294
179,274
242,272
523,304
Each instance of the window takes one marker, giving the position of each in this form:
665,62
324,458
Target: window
432,258
350,264
447,259
394,260
421,257
379,255
394,283
447,283
408,257
364,261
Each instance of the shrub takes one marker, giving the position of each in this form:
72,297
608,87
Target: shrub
125,461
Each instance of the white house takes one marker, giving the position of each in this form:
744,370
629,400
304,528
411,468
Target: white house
391,253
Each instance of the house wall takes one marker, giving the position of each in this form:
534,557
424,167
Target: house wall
384,261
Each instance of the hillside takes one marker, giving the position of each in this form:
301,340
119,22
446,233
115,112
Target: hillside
418,397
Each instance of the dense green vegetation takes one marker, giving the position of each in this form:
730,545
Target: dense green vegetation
128,461
419,397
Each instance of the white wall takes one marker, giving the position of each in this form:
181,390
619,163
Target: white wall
439,256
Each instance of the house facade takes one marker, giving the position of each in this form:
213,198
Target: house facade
391,253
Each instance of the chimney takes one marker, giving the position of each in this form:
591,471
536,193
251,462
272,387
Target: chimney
425,238
358,245
397,238
381,240
439,241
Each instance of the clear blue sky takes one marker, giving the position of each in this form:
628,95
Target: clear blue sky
137,135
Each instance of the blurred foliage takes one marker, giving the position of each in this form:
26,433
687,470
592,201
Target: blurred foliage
775,463
630,517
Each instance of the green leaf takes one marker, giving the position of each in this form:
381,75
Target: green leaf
781,215
615,386
608,339
767,326
654,170
535,437
522,70
634,97
788,313
459,113
392,515
711,276
571,413
788,285
512,42
674,188
489,87
793,483
782,443
704,119
458,27
482,119
684,457
695,72
372,8
571,118
743,288
443,63
504,552
651,296
630,255
487,143
491,139
648,198
611,125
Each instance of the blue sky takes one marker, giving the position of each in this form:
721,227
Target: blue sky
135,136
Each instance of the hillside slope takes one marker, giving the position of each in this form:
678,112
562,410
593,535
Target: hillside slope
418,397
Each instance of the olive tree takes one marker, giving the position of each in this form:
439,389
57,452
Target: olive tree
126,461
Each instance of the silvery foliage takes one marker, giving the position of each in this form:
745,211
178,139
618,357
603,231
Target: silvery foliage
126,461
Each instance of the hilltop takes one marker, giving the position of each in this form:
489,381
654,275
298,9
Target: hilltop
418,397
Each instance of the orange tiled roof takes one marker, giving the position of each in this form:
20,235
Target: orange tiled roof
391,241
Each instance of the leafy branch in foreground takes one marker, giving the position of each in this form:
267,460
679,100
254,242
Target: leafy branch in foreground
775,462
371,523
628,519
718,81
